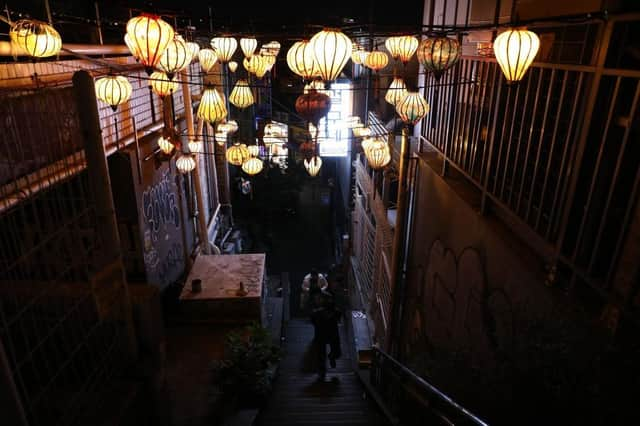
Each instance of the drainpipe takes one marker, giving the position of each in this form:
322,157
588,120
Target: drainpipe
398,248
87,105
191,135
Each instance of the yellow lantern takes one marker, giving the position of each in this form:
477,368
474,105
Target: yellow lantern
37,39
263,67
229,127
150,36
515,50
271,48
254,150
225,47
412,108
133,48
300,60
397,90
193,48
253,64
248,46
361,132
367,143
165,145
113,90
208,58
237,154
438,54
356,54
162,85
402,47
331,51
233,66
241,95
378,155
185,163
269,59
195,146
376,60
252,166
175,57
313,165
212,106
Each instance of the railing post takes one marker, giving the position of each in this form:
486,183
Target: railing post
399,238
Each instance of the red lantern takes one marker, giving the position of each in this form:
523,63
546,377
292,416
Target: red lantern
313,105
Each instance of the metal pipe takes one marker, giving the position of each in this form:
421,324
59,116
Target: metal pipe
84,49
188,114
399,237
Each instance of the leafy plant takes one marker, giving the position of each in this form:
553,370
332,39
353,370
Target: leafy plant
248,370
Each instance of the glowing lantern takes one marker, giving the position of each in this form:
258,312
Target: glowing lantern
376,60
367,143
378,155
397,90
207,59
37,39
356,56
175,57
402,47
193,48
252,166
300,60
150,36
233,66
270,60
225,47
113,90
248,46
162,85
412,108
313,106
263,67
331,51
515,50
241,95
165,145
438,54
254,150
352,121
313,165
271,48
230,127
237,154
253,64
185,163
212,106
195,146
361,132
133,48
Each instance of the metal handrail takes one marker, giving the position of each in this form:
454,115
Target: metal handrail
432,391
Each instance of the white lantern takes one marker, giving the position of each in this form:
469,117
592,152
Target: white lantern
113,90
412,108
248,46
37,39
252,166
208,58
185,163
402,47
150,35
241,95
331,51
313,165
233,66
162,85
225,47
165,145
212,106
175,57
397,90
515,50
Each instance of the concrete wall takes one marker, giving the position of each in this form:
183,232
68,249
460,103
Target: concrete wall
480,323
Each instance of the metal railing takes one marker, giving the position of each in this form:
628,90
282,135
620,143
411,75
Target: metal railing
413,400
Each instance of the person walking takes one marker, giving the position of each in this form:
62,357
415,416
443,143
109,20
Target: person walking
314,278
324,317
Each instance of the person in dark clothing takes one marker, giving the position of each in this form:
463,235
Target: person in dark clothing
324,317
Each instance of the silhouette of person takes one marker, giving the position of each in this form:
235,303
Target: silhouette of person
324,317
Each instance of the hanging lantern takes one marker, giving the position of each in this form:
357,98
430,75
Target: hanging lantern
248,46
225,47
438,54
113,90
271,48
193,48
352,121
207,59
356,54
270,60
367,143
165,145
175,57
162,85
252,166
331,51
150,35
237,154
397,90
361,132
313,165
402,47
195,146
263,67
378,155
376,60
515,50
185,163
233,66
313,106
412,108
300,60
253,64
37,39
254,150
212,106
241,95
229,127
133,48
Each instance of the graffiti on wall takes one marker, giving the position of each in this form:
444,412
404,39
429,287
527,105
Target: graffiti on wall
159,205
456,310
